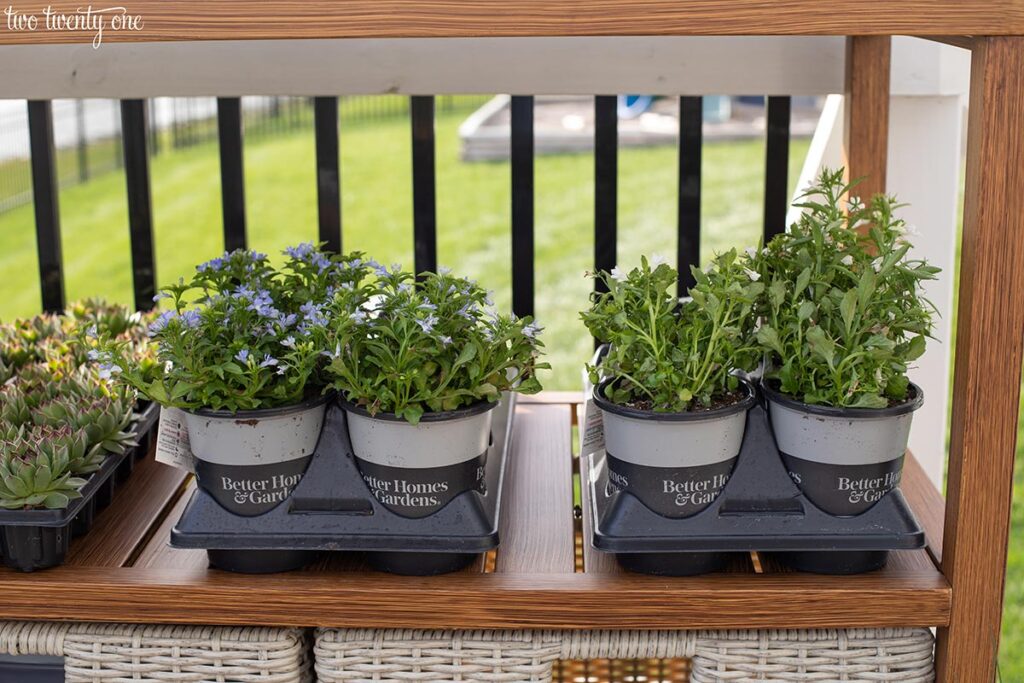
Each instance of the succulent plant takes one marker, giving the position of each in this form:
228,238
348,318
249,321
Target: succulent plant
14,409
104,418
36,468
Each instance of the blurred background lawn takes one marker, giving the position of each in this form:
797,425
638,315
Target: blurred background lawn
473,234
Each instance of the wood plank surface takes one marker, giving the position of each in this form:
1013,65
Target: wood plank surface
122,528
464,600
158,552
232,20
986,377
927,503
536,526
866,135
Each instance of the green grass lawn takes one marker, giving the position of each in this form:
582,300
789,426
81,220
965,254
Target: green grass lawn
473,216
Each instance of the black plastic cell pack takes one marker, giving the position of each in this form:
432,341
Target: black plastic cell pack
39,539
759,509
333,510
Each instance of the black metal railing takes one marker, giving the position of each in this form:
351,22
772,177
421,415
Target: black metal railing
424,188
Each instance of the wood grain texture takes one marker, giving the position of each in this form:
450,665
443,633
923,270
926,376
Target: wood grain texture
464,600
536,529
986,384
191,20
158,553
138,505
927,503
866,138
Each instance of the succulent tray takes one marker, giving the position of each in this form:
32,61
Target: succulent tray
39,539
760,509
333,510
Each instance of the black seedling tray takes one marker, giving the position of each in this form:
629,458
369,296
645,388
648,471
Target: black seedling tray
760,509
31,669
333,510
39,539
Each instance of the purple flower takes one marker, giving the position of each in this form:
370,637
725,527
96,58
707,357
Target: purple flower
379,269
428,306
427,324
286,320
467,310
268,361
301,251
242,356
445,339
263,304
109,369
215,264
161,295
359,317
191,318
314,314
161,322
531,330
94,355
289,342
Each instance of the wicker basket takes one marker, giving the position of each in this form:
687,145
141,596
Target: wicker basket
125,653
353,656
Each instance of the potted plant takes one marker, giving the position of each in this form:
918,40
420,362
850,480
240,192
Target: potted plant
244,344
673,406
419,366
842,319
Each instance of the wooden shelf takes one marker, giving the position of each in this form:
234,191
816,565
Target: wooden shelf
124,571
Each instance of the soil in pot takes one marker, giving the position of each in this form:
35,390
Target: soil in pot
844,460
415,470
251,461
675,463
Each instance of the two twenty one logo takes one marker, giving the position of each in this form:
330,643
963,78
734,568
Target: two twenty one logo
89,20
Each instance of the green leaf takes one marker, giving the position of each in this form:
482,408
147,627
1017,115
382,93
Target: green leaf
821,345
56,501
848,309
869,401
768,337
802,280
806,310
915,349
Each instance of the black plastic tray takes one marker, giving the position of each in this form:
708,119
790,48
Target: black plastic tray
332,510
31,669
760,509
39,539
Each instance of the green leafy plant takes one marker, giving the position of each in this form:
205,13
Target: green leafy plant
843,315
241,334
38,465
407,347
668,356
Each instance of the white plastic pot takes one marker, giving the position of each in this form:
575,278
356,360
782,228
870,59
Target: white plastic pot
675,463
415,470
250,461
843,459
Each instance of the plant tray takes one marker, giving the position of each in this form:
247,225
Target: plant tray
39,539
333,510
760,509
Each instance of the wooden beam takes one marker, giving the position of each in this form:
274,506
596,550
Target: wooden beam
866,135
986,387
190,20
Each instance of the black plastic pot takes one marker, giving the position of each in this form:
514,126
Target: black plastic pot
675,463
844,460
31,669
39,539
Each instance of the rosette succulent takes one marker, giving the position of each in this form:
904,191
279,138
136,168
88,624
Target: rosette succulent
37,468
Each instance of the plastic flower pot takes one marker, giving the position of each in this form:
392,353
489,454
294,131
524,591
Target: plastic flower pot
674,463
251,460
415,470
844,460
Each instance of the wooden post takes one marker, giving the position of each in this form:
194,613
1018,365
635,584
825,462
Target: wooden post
866,147
986,386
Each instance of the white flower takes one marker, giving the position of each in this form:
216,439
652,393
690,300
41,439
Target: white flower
618,274
751,252
911,230
877,264
846,260
752,274
656,260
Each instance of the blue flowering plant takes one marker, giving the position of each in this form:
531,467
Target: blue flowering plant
242,334
409,346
